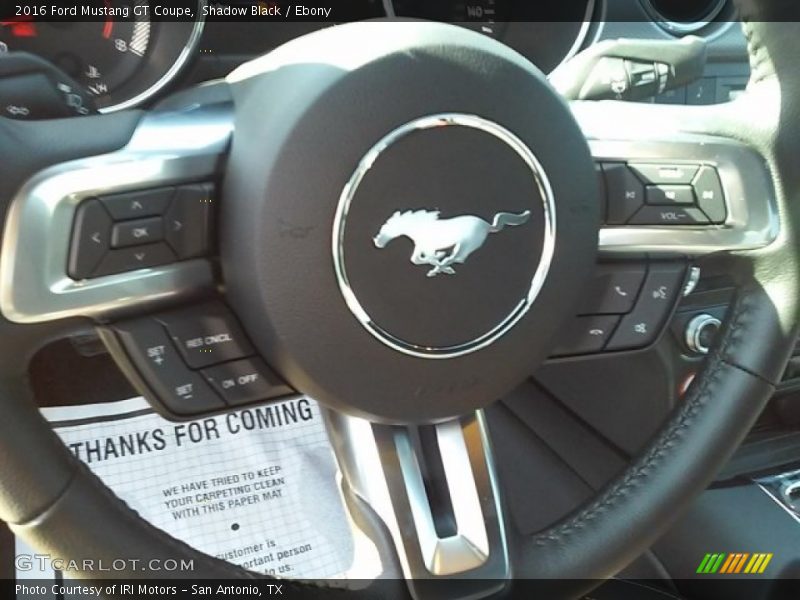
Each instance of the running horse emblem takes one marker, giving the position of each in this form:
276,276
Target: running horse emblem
443,243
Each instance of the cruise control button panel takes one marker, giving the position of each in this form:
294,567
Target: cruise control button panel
143,229
193,361
160,366
625,307
663,194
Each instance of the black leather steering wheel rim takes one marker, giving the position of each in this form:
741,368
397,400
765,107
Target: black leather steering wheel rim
64,509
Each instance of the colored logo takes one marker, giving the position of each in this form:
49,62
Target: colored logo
740,563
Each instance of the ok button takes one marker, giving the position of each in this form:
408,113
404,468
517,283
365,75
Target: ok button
137,233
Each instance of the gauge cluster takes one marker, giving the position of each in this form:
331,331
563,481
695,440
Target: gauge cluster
131,61
121,62
126,62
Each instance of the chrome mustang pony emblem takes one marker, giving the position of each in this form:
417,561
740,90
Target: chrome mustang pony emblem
442,243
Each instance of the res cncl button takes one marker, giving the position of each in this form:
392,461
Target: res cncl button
206,335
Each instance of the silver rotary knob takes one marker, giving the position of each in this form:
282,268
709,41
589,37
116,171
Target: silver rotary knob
701,333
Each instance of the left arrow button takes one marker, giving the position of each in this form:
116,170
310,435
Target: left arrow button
91,238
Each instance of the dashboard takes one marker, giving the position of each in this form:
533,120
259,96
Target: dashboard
128,56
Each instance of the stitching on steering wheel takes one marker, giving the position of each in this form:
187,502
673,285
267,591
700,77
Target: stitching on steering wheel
668,438
634,476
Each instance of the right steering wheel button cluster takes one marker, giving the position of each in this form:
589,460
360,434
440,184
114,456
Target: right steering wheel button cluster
625,307
663,194
193,361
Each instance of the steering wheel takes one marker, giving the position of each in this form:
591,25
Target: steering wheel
325,151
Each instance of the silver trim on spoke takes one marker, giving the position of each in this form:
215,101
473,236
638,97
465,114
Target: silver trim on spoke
752,221
166,149
380,466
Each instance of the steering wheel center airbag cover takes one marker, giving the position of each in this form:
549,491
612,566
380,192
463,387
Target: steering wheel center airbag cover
401,192
442,248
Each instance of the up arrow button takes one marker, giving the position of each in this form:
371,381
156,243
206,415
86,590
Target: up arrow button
135,205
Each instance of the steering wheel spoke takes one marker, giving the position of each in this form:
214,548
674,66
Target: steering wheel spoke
667,191
121,231
434,488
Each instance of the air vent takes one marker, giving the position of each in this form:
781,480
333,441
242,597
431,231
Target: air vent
683,16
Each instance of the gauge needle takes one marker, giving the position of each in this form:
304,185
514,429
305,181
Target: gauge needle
108,27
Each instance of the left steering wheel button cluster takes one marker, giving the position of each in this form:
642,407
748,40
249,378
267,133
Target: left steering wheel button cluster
194,361
125,232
